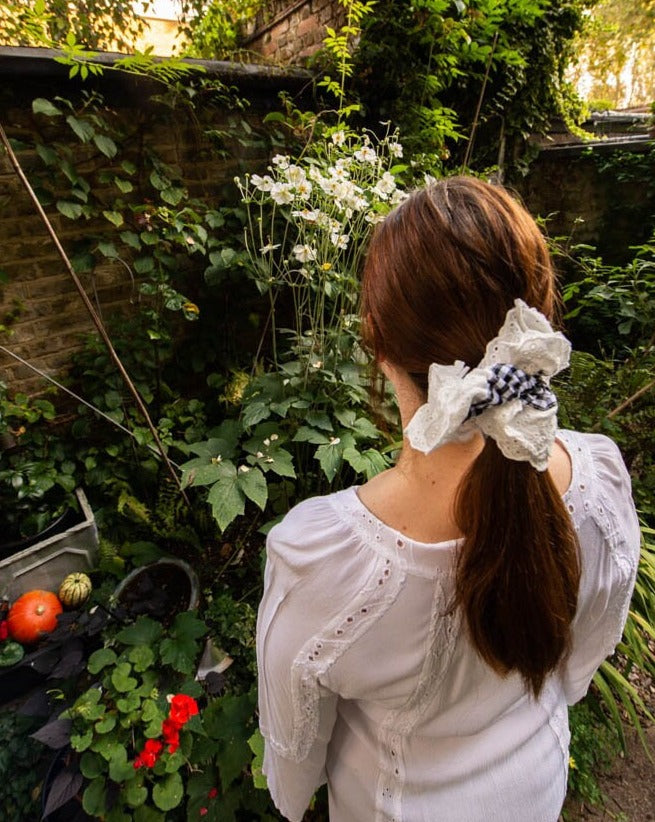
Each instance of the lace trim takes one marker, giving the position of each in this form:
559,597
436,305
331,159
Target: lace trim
322,650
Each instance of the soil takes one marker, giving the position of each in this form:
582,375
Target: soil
628,788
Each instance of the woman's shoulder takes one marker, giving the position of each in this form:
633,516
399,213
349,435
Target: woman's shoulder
313,531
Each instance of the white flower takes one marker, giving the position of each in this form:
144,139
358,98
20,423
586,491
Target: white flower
315,174
274,437
343,163
216,460
317,364
395,149
385,185
264,183
267,442
295,175
281,193
335,440
303,272
373,217
340,240
266,249
339,172
307,214
365,155
304,189
339,138
304,253
244,469
281,161
259,455
429,180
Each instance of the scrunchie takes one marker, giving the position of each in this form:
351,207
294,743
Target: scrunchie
507,396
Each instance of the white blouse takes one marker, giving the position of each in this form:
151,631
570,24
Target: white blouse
368,683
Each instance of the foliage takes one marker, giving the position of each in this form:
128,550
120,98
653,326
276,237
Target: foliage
19,758
442,70
320,208
213,27
615,53
36,477
593,746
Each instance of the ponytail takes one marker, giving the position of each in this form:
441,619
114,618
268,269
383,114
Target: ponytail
518,571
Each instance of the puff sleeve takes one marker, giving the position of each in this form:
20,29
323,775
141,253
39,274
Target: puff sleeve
304,584
610,539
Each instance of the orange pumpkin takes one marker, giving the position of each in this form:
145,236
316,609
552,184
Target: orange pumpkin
32,615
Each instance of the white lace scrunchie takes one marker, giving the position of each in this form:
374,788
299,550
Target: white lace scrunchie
506,397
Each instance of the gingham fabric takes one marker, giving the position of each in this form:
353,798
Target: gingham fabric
507,382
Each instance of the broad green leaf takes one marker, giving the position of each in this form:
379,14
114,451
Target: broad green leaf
227,719
108,250
158,181
282,463
114,217
124,186
43,106
144,265
94,799
121,679
253,484
141,657
47,154
69,209
80,742
92,764
364,428
120,770
318,419
307,434
256,745
144,631
135,794
172,195
82,128
226,499
108,723
255,412
129,703
131,239
106,145
206,474
168,793
369,462
329,457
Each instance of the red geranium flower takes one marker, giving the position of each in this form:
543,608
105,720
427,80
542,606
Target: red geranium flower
213,793
150,754
183,707
171,734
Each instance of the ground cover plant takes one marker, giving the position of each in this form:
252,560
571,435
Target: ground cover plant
252,431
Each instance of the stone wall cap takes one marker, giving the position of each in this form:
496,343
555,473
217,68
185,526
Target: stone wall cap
21,61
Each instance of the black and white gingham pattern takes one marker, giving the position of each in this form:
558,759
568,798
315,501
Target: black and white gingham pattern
507,382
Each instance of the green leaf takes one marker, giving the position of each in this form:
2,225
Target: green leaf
144,631
128,167
129,703
92,765
158,181
121,679
47,154
181,649
124,186
108,250
94,799
255,412
120,770
131,239
69,209
82,128
135,794
253,484
227,720
43,106
172,195
168,793
307,434
141,657
80,742
114,217
144,265
10,653
318,419
369,462
226,498
103,726
106,145
282,463
256,745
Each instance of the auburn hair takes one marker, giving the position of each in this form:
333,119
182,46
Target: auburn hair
441,272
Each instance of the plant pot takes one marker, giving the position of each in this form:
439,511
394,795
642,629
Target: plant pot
70,544
160,590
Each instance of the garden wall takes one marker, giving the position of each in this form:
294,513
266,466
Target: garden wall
38,301
289,33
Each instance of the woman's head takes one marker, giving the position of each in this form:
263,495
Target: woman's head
444,268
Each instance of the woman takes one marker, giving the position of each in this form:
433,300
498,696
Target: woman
420,636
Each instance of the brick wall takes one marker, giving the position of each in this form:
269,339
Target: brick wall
39,302
290,32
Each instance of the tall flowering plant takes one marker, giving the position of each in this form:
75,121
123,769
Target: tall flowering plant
308,222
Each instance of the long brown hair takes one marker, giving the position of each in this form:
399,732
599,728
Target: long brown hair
441,272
